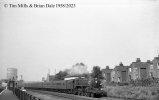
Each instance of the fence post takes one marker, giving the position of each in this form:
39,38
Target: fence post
30,97
20,95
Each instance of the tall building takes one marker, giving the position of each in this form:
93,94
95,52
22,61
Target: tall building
12,73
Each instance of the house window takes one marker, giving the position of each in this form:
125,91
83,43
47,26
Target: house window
129,69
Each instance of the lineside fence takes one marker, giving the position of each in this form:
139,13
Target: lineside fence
22,95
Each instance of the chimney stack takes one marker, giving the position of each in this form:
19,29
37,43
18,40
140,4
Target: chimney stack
121,64
138,60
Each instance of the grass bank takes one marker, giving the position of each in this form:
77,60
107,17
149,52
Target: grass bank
140,93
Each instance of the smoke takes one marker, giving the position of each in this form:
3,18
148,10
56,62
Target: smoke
78,69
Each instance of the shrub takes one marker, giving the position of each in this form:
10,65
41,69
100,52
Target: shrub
140,92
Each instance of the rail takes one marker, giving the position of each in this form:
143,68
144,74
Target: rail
22,95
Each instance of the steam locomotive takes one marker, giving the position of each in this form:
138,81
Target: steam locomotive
79,86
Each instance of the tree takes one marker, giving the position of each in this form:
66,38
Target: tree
96,77
61,75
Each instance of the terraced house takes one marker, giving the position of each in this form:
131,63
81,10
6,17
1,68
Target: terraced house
139,70
107,74
136,70
154,68
120,74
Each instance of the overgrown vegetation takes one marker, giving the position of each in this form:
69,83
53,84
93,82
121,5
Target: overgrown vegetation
141,93
145,82
143,89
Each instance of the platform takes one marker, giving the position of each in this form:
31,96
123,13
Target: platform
7,95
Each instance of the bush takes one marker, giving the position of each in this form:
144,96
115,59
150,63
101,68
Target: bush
140,92
145,82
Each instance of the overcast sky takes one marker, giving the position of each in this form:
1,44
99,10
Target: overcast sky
96,32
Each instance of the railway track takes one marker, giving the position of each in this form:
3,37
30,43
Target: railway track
71,96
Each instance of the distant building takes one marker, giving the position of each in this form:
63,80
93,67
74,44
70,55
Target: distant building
107,74
154,68
120,74
43,79
51,77
139,70
12,73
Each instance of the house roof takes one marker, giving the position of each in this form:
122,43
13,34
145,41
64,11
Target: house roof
140,64
121,67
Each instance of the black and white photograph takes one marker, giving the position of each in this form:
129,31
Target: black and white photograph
79,49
